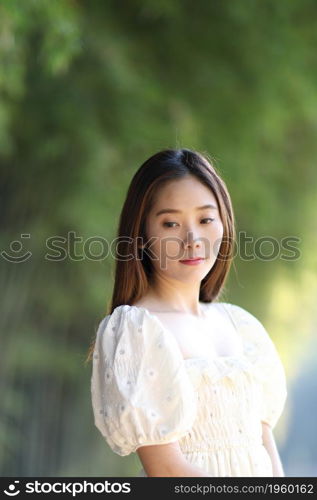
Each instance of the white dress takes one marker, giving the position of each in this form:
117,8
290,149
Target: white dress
144,392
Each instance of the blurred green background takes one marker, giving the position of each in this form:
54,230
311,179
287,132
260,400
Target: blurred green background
88,91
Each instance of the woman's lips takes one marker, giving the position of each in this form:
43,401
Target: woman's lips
192,262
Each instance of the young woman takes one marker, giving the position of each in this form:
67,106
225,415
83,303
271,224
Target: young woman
192,384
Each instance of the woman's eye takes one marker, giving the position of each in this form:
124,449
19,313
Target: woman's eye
208,218
167,224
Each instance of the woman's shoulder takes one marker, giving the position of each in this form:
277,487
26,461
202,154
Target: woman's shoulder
131,314
239,314
137,327
254,333
247,324
122,318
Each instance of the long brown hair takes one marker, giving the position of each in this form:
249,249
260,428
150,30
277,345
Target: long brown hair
133,275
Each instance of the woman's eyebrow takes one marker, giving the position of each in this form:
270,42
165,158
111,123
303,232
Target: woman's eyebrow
174,211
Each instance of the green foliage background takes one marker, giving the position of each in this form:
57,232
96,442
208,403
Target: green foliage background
88,91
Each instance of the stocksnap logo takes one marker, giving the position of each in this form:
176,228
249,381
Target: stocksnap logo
12,492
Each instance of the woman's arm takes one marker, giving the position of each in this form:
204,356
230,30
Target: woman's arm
167,460
271,448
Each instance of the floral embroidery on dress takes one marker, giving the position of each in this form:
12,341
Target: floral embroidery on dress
144,392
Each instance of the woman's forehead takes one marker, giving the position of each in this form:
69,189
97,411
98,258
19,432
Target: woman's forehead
184,195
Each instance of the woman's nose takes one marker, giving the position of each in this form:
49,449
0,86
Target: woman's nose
192,240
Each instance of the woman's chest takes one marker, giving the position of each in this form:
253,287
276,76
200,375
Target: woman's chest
204,338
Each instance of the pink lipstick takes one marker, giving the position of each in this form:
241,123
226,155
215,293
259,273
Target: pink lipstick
192,262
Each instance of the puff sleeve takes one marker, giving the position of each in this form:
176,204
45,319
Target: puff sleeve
141,392
268,368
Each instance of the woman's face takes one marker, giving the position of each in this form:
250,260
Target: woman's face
177,229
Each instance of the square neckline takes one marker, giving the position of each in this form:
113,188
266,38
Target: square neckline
198,358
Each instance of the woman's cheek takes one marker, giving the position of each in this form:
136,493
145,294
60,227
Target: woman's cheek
218,240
